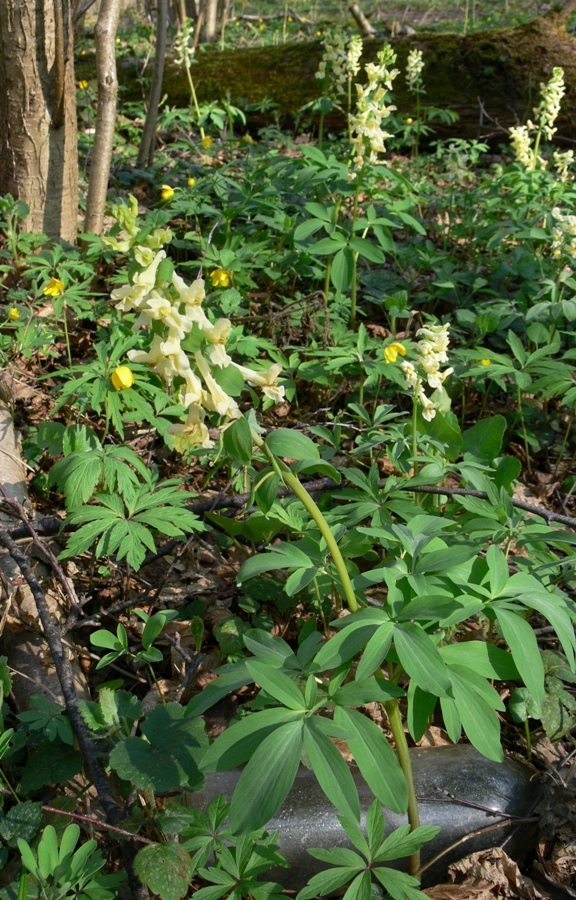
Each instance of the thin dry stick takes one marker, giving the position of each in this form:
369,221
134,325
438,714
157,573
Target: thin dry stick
61,661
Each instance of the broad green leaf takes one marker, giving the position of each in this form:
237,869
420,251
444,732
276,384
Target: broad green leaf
421,706
21,821
276,684
485,659
521,639
218,689
332,772
51,763
291,444
366,690
375,758
342,270
375,651
269,648
238,442
421,660
478,718
483,440
165,868
266,780
239,742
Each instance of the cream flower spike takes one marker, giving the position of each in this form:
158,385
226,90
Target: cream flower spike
267,379
218,398
218,335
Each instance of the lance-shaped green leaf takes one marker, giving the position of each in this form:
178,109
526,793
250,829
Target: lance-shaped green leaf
420,658
238,743
521,639
332,772
476,701
267,778
375,757
276,684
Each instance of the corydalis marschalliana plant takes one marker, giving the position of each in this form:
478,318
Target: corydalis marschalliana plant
173,310
431,353
527,152
372,109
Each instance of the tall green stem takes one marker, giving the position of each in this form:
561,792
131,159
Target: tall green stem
292,482
397,727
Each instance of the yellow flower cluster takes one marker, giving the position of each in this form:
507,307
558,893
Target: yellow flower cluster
176,308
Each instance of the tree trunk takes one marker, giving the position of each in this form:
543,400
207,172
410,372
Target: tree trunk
490,78
38,146
104,38
148,142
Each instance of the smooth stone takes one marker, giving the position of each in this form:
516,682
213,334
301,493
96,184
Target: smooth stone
458,789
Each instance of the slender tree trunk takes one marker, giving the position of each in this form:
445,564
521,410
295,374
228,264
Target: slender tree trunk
104,37
38,146
148,142
211,8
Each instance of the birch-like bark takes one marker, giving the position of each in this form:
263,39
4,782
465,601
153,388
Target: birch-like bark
105,41
148,142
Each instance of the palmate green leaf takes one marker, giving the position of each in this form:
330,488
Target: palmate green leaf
332,772
239,742
399,885
375,758
326,883
404,842
148,768
78,476
271,649
521,639
51,763
421,659
165,868
360,889
267,778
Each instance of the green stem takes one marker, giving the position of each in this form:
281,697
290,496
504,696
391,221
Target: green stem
523,426
397,727
528,741
415,437
194,100
311,507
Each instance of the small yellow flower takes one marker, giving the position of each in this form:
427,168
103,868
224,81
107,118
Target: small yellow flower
484,362
261,27
260,20
319,34
83,85
122,378
166,192
207,142
191,182
13,314
248,139
220,278
392,350
290,19
409,121
54,288
82,53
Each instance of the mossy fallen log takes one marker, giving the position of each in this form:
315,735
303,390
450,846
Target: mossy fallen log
490,78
